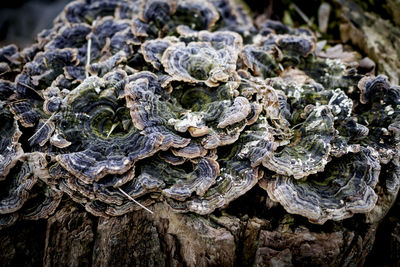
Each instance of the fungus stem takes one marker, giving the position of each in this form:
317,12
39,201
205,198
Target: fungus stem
112,129
29,87
89,47
302,15
299,124
44,124
137,203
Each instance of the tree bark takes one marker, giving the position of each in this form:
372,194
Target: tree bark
245,234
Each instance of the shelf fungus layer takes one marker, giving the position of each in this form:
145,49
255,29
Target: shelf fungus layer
309,148
199,62
345,188
125,103
103,138
10,148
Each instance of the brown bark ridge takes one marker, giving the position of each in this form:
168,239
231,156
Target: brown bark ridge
245,234
377,37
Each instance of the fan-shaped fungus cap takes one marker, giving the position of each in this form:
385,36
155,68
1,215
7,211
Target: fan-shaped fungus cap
345,188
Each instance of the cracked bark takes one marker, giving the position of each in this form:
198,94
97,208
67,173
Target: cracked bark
256,236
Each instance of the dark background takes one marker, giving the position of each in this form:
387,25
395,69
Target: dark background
22,20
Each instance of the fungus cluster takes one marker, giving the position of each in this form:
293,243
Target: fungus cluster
192,103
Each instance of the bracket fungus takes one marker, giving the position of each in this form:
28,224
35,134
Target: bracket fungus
10,148
198,62
345,188
191,103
